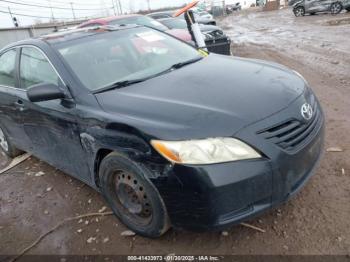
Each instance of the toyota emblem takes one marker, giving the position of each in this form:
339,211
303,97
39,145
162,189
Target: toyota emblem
306,111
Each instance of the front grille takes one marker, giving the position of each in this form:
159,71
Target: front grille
292,134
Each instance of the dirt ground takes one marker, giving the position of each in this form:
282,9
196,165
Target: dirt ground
316,221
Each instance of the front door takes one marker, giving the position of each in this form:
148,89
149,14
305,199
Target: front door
314,6
51,125
11,101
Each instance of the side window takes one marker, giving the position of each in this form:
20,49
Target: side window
7,68
35,68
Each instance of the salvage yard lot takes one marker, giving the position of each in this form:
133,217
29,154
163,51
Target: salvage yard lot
316,221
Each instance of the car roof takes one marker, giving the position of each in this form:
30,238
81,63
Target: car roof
169,19
69,35
105,20
168,12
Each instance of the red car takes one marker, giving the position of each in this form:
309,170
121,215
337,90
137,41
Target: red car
140,20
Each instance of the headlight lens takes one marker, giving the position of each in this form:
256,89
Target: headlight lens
206,151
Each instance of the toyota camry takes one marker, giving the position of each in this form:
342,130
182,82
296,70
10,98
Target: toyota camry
170,135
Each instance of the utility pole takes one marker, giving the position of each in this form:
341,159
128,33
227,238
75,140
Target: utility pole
10,13
120,12
120,6
149,5
14,19
71,4
114,7
52,16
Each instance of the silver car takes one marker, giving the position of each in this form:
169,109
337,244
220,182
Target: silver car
202,17
300,8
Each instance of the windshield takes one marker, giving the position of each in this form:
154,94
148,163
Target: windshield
140,20
175,23
104,58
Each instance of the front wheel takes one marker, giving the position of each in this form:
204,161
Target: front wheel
133,198
336,8
299,11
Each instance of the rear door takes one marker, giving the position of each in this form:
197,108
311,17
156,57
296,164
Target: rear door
11,100
51,125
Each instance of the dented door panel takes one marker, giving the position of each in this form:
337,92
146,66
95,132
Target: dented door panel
54,131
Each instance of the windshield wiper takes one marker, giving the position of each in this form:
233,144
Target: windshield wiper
125,83
181,64
119,84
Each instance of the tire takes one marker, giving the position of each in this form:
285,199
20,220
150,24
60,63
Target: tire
299,11
336,8
348,9
6,146
132,196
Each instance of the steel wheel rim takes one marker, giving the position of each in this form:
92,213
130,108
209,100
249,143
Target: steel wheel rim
3,142
132,198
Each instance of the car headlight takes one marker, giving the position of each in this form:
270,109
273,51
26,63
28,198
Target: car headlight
205,151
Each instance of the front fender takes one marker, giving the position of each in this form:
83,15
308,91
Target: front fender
98,141
296,4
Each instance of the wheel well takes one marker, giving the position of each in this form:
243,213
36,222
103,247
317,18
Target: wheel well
298,6
100,155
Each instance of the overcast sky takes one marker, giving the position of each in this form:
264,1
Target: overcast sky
61,9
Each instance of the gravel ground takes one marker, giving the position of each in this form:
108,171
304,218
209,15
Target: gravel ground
316,221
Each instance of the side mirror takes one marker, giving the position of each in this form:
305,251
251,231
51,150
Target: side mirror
44,92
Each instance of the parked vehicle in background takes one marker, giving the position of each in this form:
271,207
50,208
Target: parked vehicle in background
139,20
233,8
204,15
205,19
161,15
215,39
300,8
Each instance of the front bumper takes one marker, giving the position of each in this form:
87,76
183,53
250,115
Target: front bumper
215,196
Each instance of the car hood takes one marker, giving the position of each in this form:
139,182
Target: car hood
216,96
207,16
208,28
